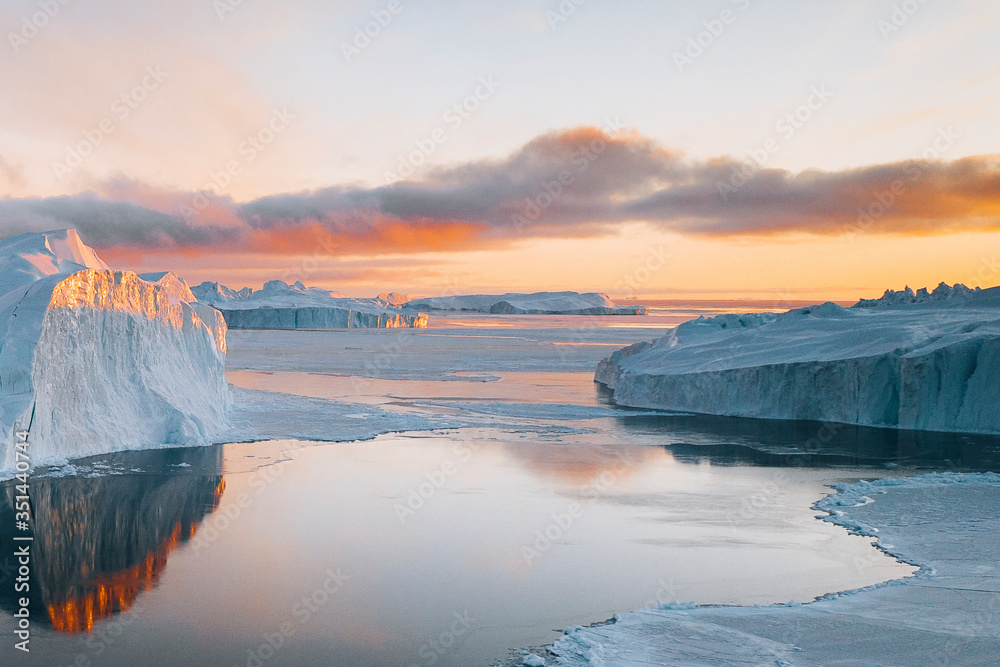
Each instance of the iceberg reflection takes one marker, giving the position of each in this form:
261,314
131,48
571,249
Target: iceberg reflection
100,542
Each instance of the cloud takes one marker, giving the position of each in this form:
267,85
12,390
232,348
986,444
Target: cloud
578,182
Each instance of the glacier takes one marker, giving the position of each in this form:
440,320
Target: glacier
94,360
279,305
538,303
924,360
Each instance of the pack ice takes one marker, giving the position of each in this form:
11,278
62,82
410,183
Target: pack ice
538,303
94,360
279,305
924,360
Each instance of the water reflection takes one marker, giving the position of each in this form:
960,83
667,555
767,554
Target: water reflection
100,542
580,465
766,442
491,536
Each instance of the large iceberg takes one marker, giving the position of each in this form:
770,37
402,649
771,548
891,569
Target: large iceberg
279,305
94,360
538,303
928,361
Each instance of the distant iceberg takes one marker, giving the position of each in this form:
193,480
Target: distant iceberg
927,361
942,292
94,360
538,303
279,305
394,298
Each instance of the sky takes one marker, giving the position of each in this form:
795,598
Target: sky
657,149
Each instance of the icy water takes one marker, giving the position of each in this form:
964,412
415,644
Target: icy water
535,505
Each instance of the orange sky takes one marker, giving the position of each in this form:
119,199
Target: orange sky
484,105
637,261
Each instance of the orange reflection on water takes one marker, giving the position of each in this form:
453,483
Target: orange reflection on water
107,594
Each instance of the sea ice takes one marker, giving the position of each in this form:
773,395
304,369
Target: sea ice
948,614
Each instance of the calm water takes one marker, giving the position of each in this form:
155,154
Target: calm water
367,553
549,508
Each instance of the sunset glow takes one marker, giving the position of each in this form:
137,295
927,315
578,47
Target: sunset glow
833,177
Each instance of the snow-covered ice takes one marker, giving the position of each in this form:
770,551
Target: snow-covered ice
538,303
947,614
926,361
943,292
93,360
271,415
279,305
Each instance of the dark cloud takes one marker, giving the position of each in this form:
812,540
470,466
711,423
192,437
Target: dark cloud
570,183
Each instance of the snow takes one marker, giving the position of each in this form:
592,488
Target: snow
930,364
94,360
949,613
279,305
538,303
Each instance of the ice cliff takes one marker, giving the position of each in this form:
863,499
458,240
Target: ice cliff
94,360
279,305
928,361
539,303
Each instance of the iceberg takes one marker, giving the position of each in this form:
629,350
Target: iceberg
94,360
924,361
394,298
279,305
538,303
